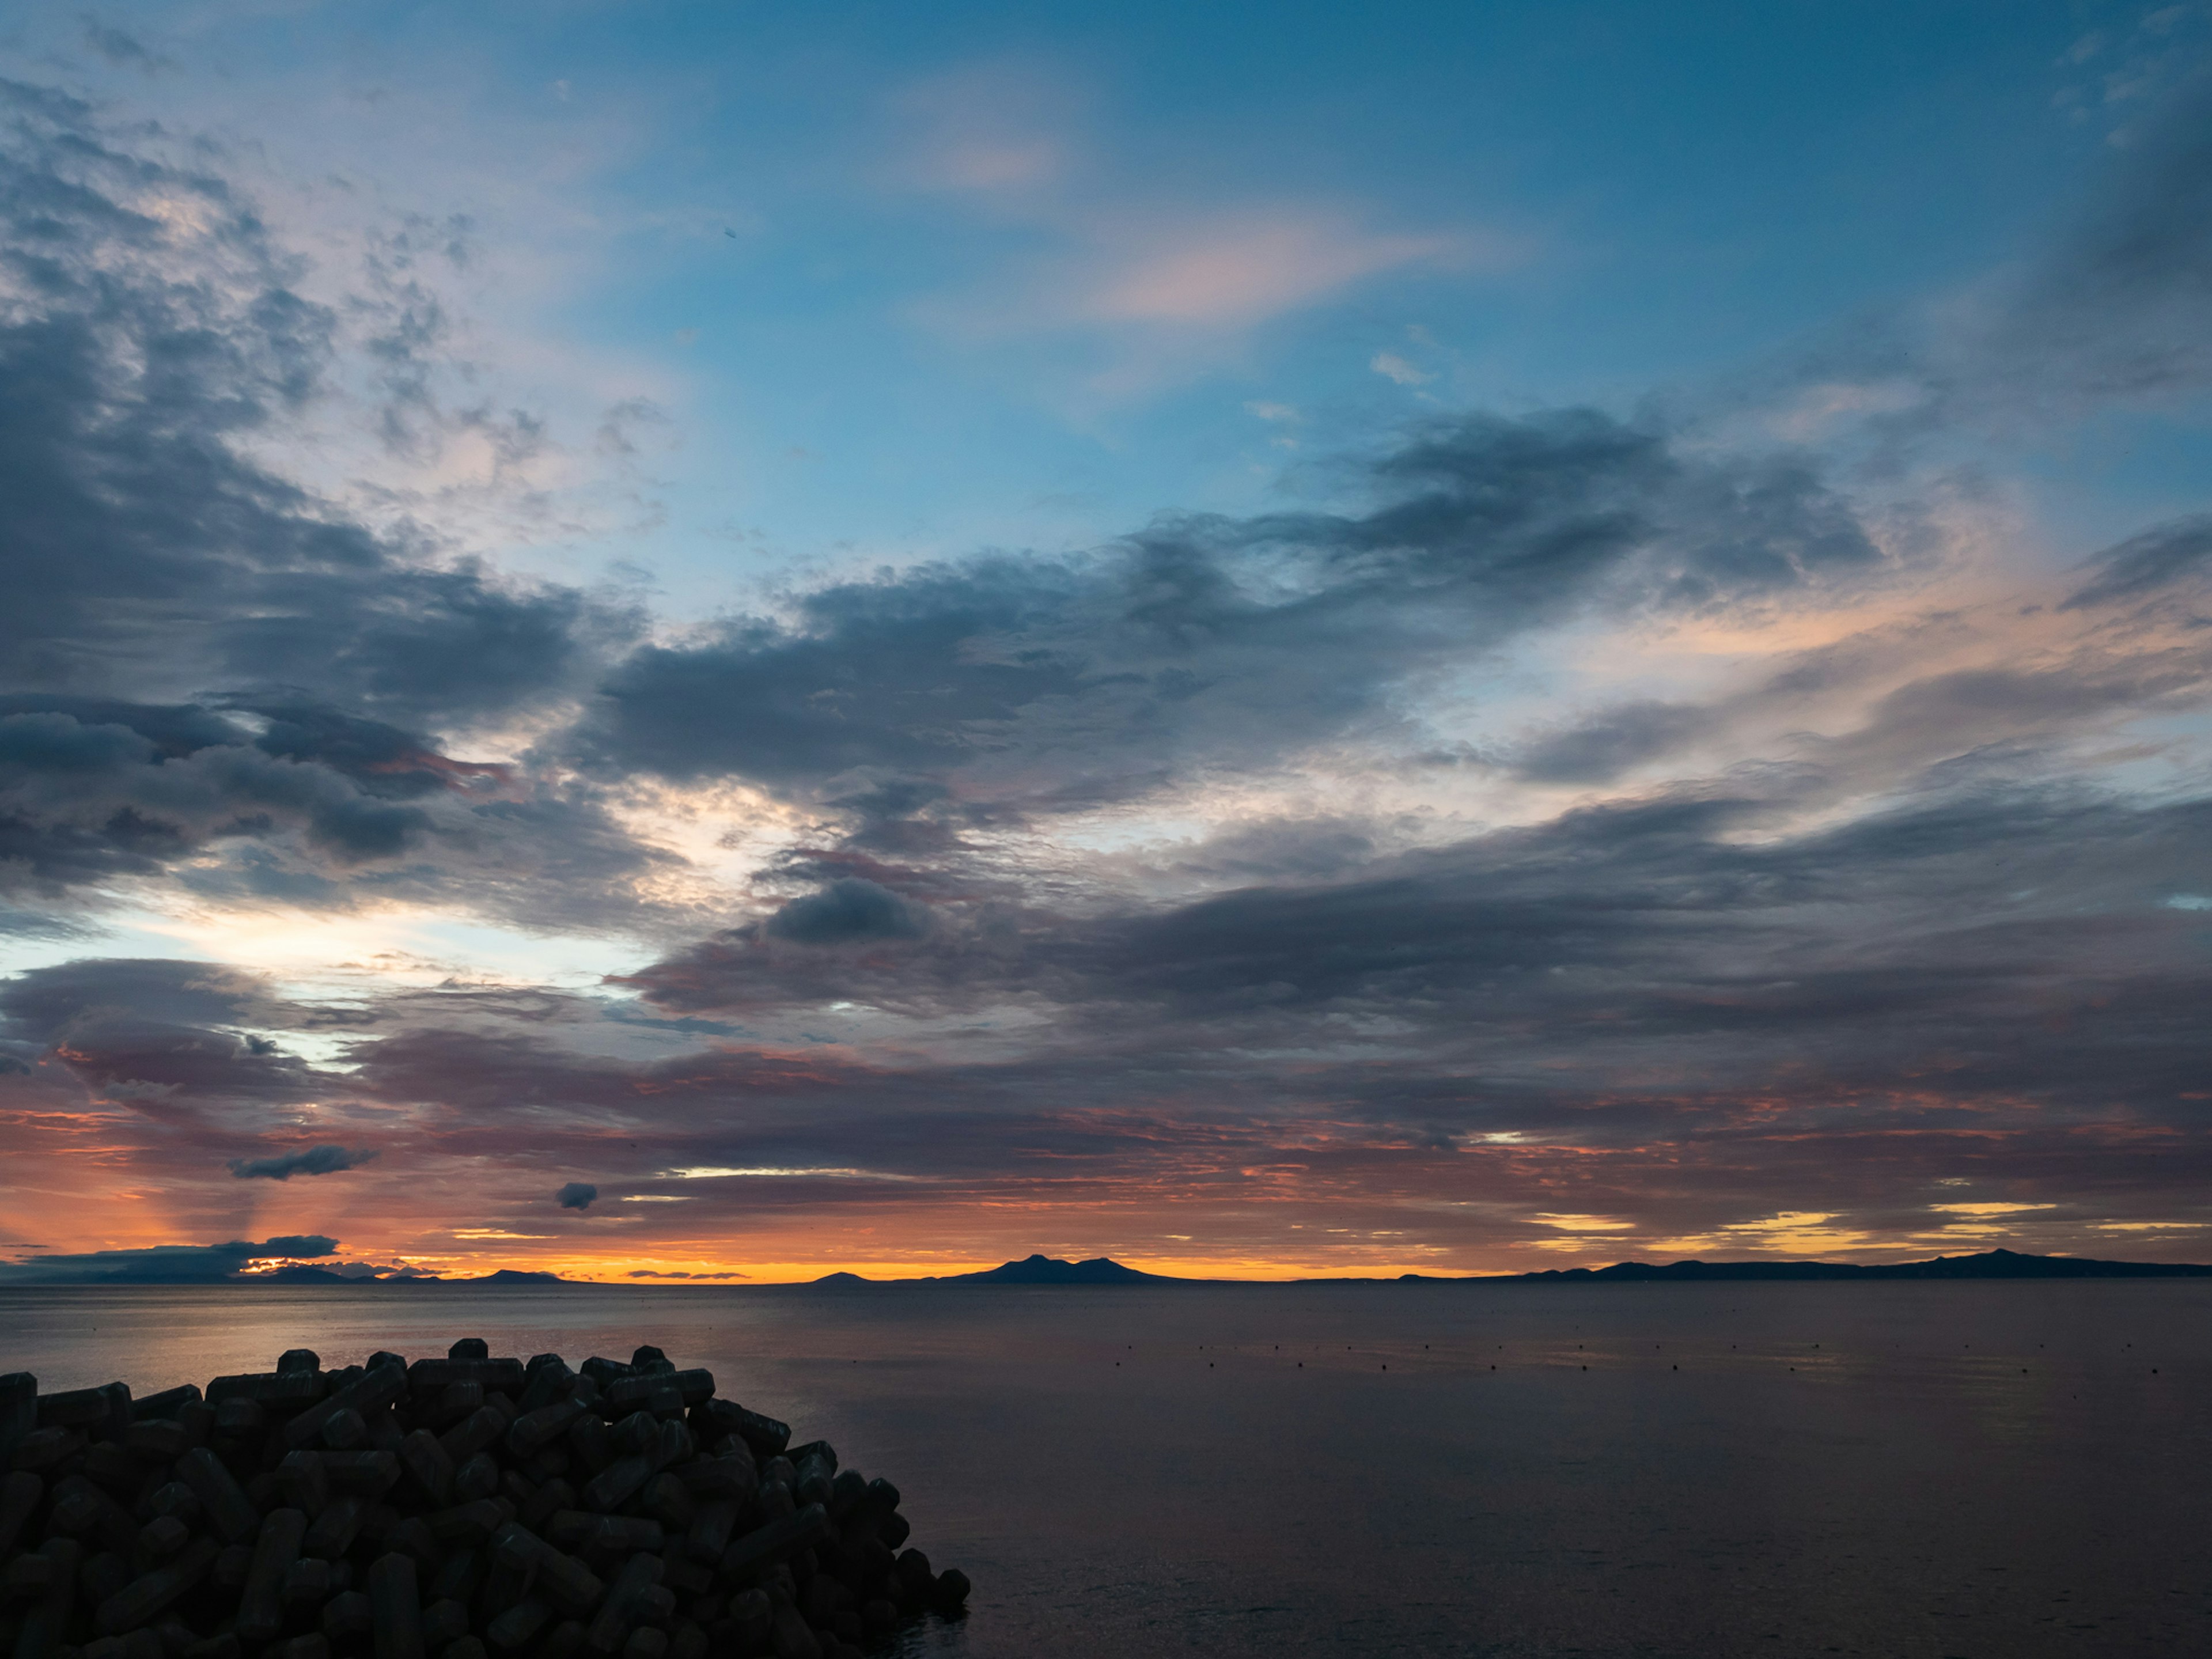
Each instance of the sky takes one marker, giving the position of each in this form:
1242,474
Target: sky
723,641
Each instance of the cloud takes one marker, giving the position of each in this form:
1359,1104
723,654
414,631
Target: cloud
2108,307
2118,305
181,1037
157,344
296,802
847,912
1600,749
992,129
1197,872
1236,269
775,1172
122,50
72,1000
311,1160
1392,367
2144,563
999,686
159,334
102,799
162,1264
1120,259
1618,951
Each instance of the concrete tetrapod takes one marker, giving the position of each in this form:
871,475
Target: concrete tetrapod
469,1507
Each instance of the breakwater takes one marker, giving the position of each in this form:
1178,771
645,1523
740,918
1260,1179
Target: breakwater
467,1507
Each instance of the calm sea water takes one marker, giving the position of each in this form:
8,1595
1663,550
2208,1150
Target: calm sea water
1998,1471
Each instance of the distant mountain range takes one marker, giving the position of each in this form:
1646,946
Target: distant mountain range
1031,1270
1102,1271
1990,1264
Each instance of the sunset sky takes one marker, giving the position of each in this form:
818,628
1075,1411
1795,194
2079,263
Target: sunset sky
735,640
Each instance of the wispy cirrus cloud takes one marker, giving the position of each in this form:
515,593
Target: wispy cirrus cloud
1093,247
1243,266
1157,291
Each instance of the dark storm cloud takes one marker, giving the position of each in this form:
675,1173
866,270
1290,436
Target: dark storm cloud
161,1264
326,1159
92,799
1206,641
847,912
576,1195
379,759
51,1005
171,732
971,953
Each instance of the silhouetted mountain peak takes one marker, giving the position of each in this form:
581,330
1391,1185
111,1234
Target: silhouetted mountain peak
1042,1269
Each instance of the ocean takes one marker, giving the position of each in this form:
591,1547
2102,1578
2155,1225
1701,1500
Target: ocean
1991,1470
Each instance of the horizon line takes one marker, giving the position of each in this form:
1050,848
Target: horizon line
519,1277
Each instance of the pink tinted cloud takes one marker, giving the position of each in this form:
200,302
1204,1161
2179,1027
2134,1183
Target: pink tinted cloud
1107,247
1000,126
1243,267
